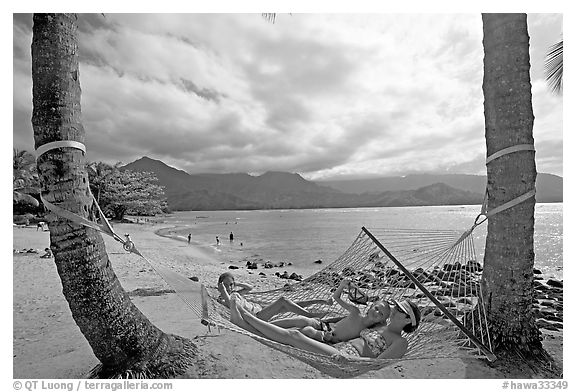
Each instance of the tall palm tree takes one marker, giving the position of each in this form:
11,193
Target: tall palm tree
509,256
121,337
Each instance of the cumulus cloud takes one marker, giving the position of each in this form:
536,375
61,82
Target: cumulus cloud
324,95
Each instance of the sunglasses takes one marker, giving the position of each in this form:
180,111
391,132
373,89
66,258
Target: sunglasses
398,308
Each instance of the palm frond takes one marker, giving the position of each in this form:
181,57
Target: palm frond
270,17
553,65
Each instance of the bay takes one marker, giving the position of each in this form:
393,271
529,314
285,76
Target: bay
301,237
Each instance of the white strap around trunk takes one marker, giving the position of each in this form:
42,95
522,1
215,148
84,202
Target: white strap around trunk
59,144
509,150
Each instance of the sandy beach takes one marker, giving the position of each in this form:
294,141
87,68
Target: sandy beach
48,344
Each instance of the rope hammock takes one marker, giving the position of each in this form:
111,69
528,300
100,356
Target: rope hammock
436,269
439,273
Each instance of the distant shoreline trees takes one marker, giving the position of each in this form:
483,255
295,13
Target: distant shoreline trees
121,192
118,192
24,178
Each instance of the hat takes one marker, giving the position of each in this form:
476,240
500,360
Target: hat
407,308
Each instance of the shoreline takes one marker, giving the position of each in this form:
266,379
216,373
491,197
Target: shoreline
48,344
282,245
235,262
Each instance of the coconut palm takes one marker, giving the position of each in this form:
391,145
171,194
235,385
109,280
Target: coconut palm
121,337
554,66
509,255
24,177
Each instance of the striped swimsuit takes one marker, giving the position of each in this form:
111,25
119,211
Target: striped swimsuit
373,340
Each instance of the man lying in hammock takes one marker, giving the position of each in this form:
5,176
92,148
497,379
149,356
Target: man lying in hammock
229,290
343,328
383,341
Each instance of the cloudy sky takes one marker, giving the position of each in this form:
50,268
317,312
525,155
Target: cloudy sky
323,95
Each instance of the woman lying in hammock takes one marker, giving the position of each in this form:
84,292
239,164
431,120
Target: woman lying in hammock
383,341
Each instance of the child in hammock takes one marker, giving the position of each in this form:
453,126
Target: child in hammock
341,329
229,288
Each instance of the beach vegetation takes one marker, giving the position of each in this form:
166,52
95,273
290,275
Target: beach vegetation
123,339
25,182
509,255
121,192
97,174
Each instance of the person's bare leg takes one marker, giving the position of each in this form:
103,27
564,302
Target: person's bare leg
313,333
305,304
282,305
287,336
237,318
293,307
296,322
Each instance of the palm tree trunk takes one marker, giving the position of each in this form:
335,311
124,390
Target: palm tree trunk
509,258
122,338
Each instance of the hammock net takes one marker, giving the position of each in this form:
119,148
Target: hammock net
436,269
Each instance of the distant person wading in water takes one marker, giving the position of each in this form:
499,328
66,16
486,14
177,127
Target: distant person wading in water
231,236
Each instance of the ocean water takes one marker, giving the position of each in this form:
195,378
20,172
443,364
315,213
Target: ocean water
302,236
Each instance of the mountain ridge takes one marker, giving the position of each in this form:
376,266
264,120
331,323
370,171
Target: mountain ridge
549,187
282,190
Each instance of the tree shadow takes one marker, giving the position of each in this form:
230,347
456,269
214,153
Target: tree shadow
512,365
